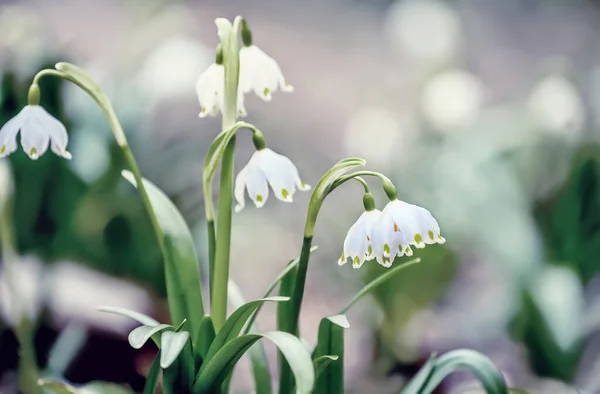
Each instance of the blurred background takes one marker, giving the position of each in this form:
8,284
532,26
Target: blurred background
486,112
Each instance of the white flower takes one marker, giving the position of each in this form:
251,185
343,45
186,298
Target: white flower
210,90
38,130
261,73
400,225
357,245
266,166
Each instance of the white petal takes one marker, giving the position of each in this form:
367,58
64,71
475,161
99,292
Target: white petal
416,223
261,73
8,132
240,186
57,132
35,137
280,172
258,189
208,86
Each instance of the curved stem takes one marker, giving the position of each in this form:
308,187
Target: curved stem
90,87
231,63
388,186
362,182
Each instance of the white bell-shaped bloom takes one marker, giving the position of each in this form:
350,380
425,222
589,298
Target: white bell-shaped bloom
210,90
267,168
402,224
260,73
38,130
357,245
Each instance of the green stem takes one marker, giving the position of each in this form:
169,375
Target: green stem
210,224
24,328
231,63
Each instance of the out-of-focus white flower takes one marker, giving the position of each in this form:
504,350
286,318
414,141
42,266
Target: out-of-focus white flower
556,105
400,225
428,30
562,310
78,291
267,168
172,67
357,245
22,289
452,99
38,130
210,90
370,125
260,73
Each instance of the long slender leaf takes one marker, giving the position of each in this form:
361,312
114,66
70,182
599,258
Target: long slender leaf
234,324
139,317
63,387
213,372
172,345
438,368
372,285
140,335
204,338
181,267
322,362
152,378
258,356
331,343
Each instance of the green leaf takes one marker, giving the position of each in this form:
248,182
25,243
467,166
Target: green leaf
285,290
438,368
213,372
63,387
258,356
140,335
372,285
139,317
172,344
331,343
182,277
204,338
322,362
152,379
65,349
234,324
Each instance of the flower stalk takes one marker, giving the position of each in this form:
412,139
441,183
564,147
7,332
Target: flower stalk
220,279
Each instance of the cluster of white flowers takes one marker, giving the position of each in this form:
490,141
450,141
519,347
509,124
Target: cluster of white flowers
385,235
259,73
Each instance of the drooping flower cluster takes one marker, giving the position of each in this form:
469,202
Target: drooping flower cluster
259,73
38,130
385,235
265,168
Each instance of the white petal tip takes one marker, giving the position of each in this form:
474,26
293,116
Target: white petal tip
304,187
341,262
286,87
67,155
238,208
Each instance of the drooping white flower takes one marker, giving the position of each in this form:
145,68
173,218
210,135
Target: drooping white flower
357,245
400,225
38,130
267,168
260,73
210,90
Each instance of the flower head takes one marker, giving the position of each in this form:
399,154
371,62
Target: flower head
210,90
357,245
38,130
402,224
260,73
267,168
